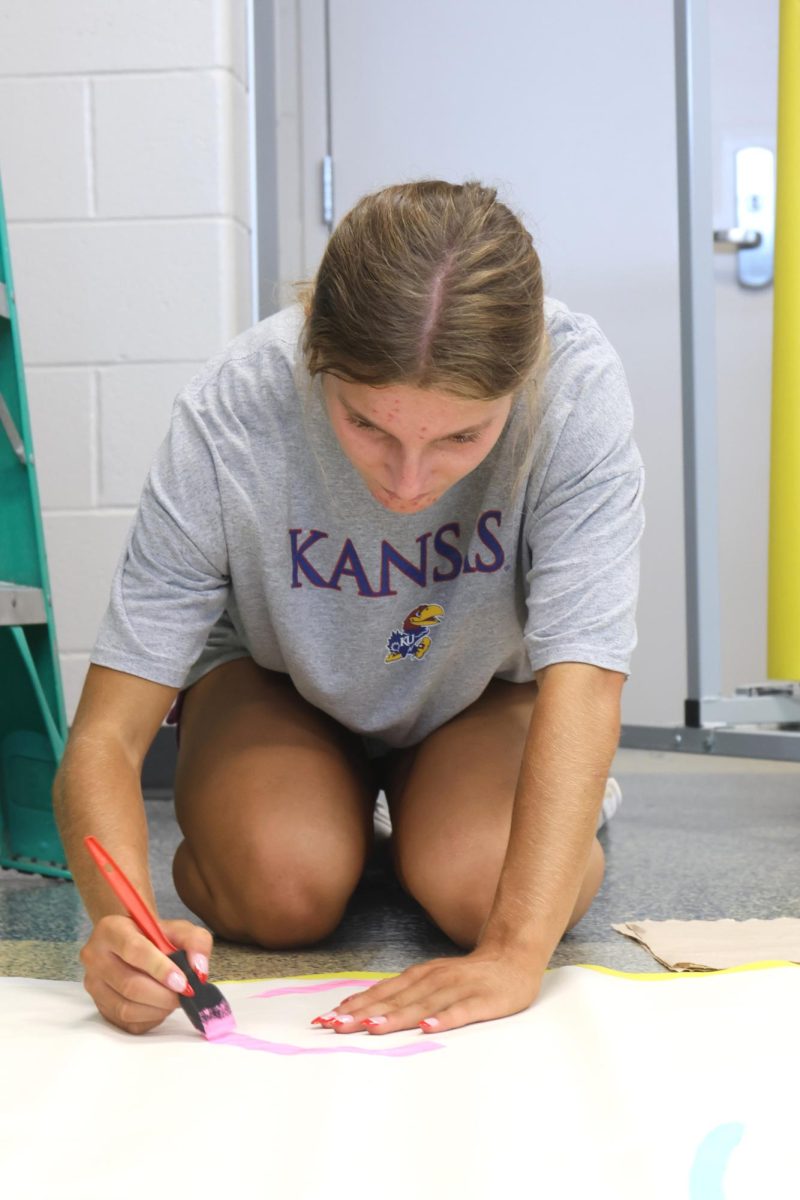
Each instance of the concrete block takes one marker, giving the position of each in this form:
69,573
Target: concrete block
82,553
171,145
232,38
44,148
103,293
41,37
235,145
60,404
135,407
237,306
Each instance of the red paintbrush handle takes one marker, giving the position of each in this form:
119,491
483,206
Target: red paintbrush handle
127,893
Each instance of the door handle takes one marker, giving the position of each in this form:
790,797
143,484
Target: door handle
754,230
737,239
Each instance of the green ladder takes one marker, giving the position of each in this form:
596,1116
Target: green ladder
33,726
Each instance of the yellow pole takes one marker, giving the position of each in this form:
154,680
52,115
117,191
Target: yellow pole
783,621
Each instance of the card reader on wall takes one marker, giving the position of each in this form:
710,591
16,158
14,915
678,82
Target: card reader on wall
753,239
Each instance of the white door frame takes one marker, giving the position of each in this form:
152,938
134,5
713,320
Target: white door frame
290,138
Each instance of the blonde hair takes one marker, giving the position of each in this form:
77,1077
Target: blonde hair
431,285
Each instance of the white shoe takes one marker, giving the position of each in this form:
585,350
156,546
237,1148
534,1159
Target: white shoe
611,802
382,820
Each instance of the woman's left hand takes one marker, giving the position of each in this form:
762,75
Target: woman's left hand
445,992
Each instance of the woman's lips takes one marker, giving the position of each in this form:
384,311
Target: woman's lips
411,501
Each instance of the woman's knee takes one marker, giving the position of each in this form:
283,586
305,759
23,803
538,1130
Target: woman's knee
262,905
457,896
593,877
460,907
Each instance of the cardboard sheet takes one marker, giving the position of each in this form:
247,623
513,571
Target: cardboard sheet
712,945
612,1086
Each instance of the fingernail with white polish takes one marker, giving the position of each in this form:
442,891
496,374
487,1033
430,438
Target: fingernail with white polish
200,964
177,981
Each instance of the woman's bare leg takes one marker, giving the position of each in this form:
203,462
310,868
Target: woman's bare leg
275,802
451,800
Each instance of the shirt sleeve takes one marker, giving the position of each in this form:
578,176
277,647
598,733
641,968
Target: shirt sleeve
172,582
584,530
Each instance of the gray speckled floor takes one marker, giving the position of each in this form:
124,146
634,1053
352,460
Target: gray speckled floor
695,838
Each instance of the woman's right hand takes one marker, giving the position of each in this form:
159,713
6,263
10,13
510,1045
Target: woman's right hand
133,984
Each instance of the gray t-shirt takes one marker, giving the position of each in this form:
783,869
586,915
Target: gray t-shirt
256,536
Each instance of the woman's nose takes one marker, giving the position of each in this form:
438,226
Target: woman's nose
407,474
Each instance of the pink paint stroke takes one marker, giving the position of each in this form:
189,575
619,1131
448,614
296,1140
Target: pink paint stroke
327,986
251,1043
246,1042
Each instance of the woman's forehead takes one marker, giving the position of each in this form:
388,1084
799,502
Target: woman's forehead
396,396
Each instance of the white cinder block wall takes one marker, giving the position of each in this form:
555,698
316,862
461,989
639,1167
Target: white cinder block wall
124,158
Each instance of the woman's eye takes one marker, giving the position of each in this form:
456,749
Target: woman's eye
359,424
459,439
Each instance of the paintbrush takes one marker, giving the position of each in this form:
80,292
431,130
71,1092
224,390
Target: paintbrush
207,1009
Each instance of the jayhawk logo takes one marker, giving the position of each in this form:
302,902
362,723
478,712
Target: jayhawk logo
413,641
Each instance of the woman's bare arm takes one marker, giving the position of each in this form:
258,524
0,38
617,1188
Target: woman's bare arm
97,789
573,735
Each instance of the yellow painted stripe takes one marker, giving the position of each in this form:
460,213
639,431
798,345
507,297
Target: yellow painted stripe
783,650
324,975
756,966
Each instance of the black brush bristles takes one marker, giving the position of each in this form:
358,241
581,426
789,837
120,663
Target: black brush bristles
207,1009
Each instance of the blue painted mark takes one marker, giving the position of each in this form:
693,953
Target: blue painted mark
708,1169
